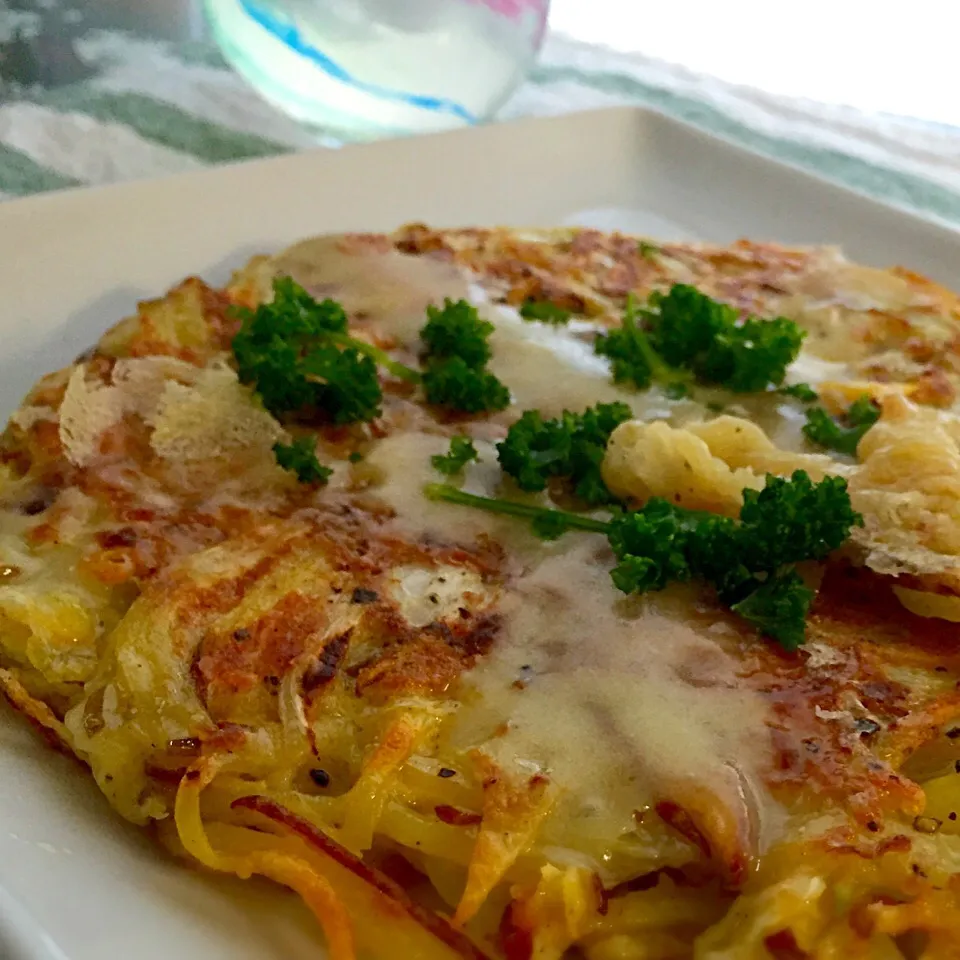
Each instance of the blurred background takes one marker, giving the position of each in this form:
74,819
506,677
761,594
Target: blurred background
93,91
869,54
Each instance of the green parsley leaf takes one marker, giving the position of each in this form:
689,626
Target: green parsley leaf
571,447
863,412
457,353
685,335
296,353
844,434
715,556
457,331
652,546
800,391
693,331
345,383
455,385
747,561
544,311
461,452
300,457
647,250
793,520
779,608
633,357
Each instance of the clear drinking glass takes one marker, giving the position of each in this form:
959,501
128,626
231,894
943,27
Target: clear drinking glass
367,68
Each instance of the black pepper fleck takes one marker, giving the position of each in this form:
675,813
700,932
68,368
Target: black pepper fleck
433,598
873,826
865,726
952,815
953,733
115,539
956,766
362,595
242,634
38,503
320,777
446,772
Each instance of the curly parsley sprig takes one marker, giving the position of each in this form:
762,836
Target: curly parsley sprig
844,433
545,311
684,336
299,356
750,561
457,353
300,457
571,447
634,358
461,452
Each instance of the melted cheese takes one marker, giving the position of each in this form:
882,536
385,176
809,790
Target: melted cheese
554,369
385,287
391,637
88,409
215,418
621,702
609,702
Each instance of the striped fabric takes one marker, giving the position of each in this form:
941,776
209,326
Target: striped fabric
147,108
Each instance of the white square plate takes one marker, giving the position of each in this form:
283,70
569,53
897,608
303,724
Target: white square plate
77,884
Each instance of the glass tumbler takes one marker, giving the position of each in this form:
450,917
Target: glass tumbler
361,69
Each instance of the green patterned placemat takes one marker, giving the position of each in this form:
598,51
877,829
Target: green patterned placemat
91,95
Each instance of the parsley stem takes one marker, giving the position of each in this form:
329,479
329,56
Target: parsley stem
380,357
661,371
443,491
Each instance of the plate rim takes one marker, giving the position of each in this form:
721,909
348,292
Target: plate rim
28,934
17,206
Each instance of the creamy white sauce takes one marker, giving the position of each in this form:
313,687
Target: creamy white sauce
611,702
387,288
622,702
554,368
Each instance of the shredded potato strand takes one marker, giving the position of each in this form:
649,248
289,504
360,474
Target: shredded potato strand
364,804
512,816
279,667
315,889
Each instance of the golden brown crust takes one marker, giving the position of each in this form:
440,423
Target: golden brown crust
879,318
286,631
